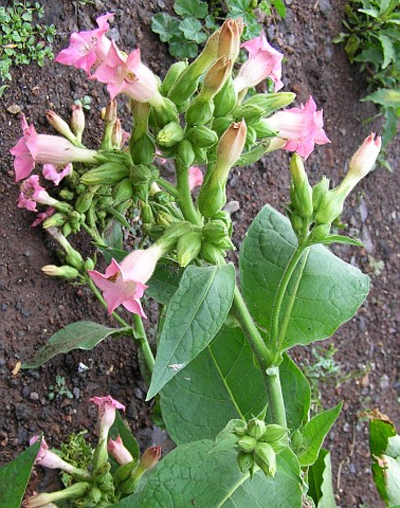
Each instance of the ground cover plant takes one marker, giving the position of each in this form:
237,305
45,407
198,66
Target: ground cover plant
306,231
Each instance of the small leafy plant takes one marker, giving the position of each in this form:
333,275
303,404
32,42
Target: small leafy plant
195,21
22,39
59,389
373,41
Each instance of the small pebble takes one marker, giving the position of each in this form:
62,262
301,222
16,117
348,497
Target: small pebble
384,382
34,396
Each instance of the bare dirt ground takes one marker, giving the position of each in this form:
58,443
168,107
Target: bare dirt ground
32,307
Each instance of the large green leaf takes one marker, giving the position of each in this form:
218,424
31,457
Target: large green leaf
192,476
194,316
224,382
15,475
164,282
386,97
320,481
314,433
324,292
191,8
79,335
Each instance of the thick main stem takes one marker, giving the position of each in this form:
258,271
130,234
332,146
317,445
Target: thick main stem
265,358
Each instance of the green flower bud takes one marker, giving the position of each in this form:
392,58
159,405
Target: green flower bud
299,224
84,201
330,207
142,150
318,192
186,155
215,230
241,429
245,461
274,432
320,232
220,125
170,135
188,247
147,214
256,428
66,229
247,444
301,190
95,495
199,112
164,112
65,272
226,244
202,136
225,100
56,220
262,130
123,191
67,195
74,259
212,198
297,440
271,102
108,173
124,472
265,458
211,253
89,264
172,76
250,112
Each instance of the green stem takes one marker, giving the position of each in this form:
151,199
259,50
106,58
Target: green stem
280,294
184,197
140,335
265,358
168,187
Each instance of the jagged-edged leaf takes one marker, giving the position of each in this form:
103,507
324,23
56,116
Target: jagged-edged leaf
314,433
15,475
192,30
224,382
195,314
320,481
191,476
79,335
165,26
323,293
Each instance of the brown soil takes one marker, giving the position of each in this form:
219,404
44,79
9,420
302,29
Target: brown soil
34,306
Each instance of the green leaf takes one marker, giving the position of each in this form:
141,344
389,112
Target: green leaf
192,30
191,8
387,97
314,433
390,127
329,240
15,475
165,26
183,49
296,393
324,292
320,481
191,476
79,335
280,7
224,382
194,316
131,501
165,281
389,53
120,428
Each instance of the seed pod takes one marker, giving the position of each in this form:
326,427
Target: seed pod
265,458
202,136
247,444
274,432
245,461
256,428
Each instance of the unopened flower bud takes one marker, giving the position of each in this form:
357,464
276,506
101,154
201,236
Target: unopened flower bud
84,201
89,264
251,113
318,192
245,461
247,444
170,135
188,248
199,112
274,432
66,194
65,272
108,173
256,428
320,232
55,221
111,112
202,136
216,77
75,491
186,155
172,76
215,230
123,191
212,253
78,121
265,458
301,190
60,126
226,99
270,102
150,457
263,130
229,39
231,144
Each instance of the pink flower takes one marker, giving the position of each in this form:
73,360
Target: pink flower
89,48
45,149
126,74
49,459
107,406
32,192
195,177
119,452
51,172
124,283
264,62
300,127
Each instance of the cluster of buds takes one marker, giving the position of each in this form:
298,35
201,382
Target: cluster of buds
313,209
96,486
258,444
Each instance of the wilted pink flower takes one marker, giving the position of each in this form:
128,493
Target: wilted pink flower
32,192
89,48
118,451
45,149
49,459
41,217
124,283
51,172
195,177
300,127
127,74
264,62
107,406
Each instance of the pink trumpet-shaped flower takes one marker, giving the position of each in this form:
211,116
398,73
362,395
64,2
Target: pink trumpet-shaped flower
107,406
124,283
195,177
300,127
51,172
87,49
32,192
119,452
264,62
49,459
127,74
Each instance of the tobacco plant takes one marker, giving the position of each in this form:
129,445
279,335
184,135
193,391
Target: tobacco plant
232,399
